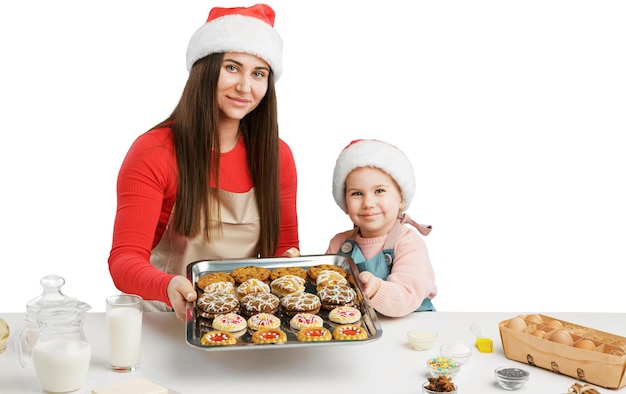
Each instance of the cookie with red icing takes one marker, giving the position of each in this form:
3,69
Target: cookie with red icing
344,315
269,335
314,334
305,320
263,320
348,332
218,338
231,322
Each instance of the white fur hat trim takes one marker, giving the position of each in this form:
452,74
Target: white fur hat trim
373,153
237,33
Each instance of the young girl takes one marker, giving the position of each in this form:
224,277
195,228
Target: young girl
373,183
214,180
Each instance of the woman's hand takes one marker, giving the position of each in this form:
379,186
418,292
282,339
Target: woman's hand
292,252
370,283
180,291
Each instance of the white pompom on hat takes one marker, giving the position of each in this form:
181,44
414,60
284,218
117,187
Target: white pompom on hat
373,153
239,29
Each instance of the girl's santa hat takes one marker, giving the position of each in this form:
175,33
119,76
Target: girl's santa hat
239,29
373,153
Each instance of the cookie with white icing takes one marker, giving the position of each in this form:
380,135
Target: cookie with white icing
330,277
252,285
287,284
212,304
302,302
260,302
333,296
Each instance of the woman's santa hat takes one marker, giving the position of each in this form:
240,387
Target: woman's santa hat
239,29
373,153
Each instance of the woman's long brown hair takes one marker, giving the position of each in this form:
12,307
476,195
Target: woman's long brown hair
194,123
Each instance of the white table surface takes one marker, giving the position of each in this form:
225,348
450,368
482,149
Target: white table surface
387,365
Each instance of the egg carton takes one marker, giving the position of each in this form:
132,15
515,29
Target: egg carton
566,348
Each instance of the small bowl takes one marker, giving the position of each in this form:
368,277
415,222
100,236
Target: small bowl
443,366
457,351
427,391
511,378
422,340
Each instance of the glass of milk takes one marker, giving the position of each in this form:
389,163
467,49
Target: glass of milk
124,314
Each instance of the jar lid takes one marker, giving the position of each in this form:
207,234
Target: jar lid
52,296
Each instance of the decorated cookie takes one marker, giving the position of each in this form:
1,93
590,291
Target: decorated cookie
252,285
218,338
313,334
302,302
333,296
347,332
210,305
260,302
231,322
344,315
287,284
263,320
305,320
269,335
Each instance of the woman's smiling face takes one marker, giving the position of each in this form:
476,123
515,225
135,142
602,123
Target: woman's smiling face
242,84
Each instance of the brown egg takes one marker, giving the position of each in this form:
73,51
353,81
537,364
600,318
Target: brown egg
534,319
516,323
585,344
538,333
563,337
554,324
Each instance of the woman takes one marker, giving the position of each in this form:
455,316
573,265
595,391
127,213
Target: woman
214,180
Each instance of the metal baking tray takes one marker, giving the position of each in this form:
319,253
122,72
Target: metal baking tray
369,318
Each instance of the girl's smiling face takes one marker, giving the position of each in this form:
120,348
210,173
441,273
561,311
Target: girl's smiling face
373,200
242,84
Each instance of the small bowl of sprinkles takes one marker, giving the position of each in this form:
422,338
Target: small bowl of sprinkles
443,366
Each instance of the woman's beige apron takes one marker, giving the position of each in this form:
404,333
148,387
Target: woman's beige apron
237,238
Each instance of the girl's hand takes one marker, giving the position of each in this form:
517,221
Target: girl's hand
370,283
180,291
292,252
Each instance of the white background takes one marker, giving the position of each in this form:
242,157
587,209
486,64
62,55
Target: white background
513,114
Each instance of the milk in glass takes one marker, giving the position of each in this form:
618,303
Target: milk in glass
124,325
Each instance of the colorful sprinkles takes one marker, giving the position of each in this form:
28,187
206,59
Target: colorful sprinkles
443,365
